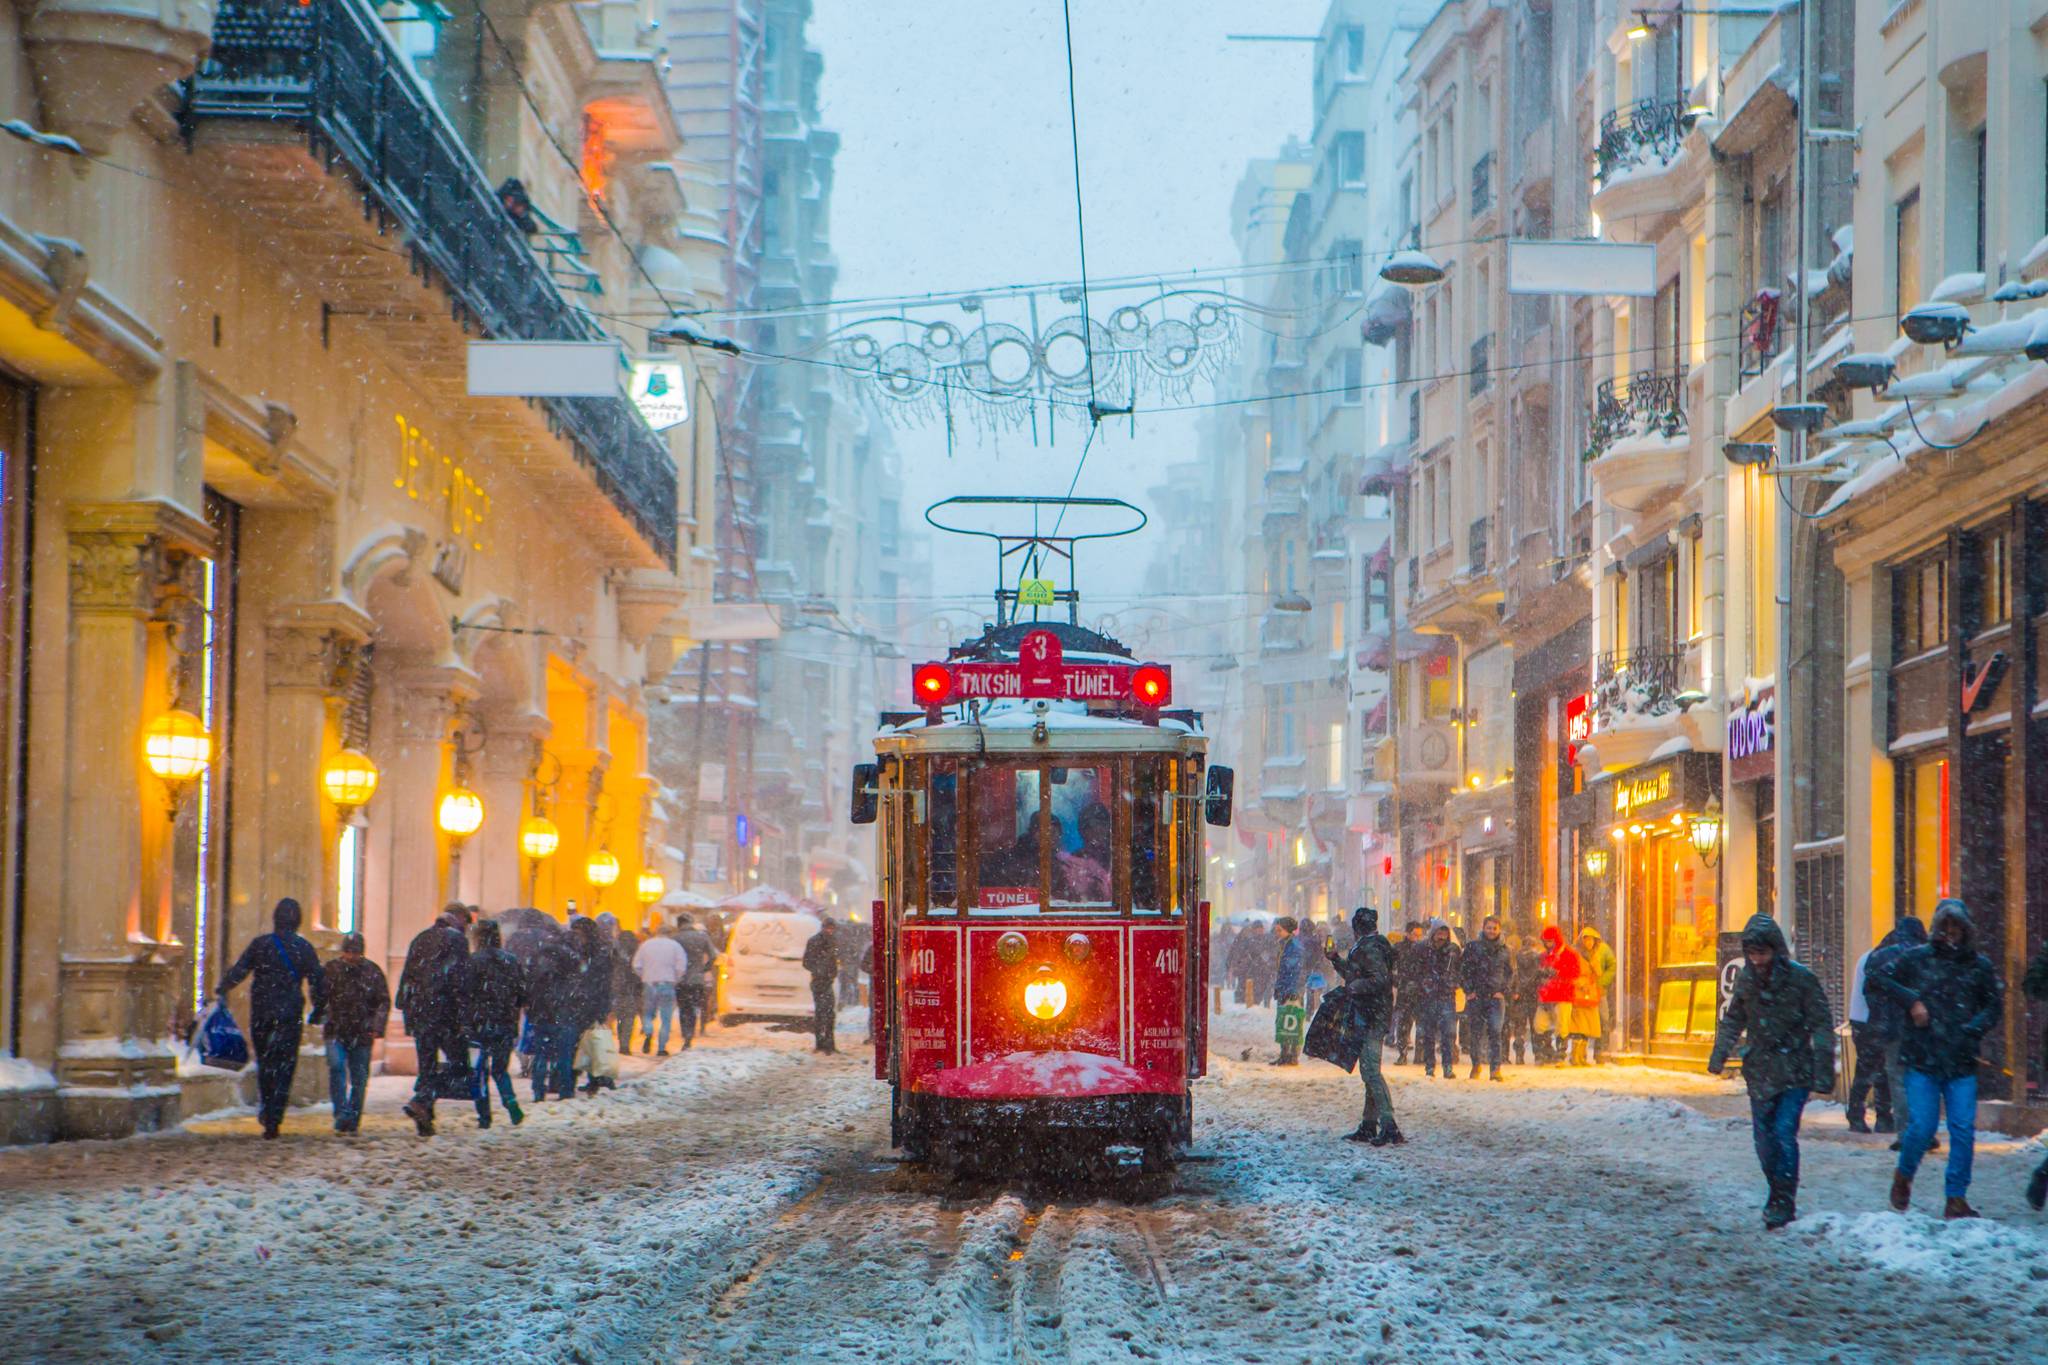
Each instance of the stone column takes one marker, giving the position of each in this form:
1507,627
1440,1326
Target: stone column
310,652
421,704
504,769
117,981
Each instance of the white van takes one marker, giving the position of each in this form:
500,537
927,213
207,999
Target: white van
764,966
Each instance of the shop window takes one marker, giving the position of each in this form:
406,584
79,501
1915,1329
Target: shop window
1927,840
1906,249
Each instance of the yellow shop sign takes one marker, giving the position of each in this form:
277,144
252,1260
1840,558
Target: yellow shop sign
1633,793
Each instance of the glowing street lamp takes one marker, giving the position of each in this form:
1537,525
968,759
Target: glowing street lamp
602,869
349,779
1595,860
651,886
1706,833
176,748
461,813
538,837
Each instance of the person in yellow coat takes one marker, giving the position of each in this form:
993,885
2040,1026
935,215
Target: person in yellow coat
1599,960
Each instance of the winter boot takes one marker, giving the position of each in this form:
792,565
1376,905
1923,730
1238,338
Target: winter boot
1857,1125
1958,1207
1388,1135
1362,1133
1494,1075
1902,1191
2037,1187
421,1116
515,1113
1779,1209
483,1115
1884,1124
269,1132
1474,1075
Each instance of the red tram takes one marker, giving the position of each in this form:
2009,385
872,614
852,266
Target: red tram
1041,938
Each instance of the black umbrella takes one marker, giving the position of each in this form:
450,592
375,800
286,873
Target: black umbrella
527,931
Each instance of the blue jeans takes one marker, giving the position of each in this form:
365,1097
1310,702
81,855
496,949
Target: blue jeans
1774,1123
490,1062
1926,1097
348,1078
554,1059
658,998
1485,1019
1438,1025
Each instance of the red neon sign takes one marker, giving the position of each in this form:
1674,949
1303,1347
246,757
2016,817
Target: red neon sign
1041,670
1578,725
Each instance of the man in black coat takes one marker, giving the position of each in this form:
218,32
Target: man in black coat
430,999
1887,1022
557,1003
1952,997
1434,969
695,993
1485,971
1520,1038
821,960
493,993
284,966
1405,1015
1368,972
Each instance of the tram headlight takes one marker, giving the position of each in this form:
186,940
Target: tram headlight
1045,996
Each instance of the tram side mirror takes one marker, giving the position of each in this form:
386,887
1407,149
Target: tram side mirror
866,798
1216,797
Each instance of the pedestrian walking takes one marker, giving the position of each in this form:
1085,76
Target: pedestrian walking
1436,999
555,1007
2035,984
597,1052
1952,997
694,990
1367,1002
821,960
660,965
1485,970
285,969
1888,1018
430,999
493,995
851,941
1869,1079
1599,962
1558,991
622,1006
1405,993
358,1008
1522,1044
1780,1015
1315,964
1243,954
1289,979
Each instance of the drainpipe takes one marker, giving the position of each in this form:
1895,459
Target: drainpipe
1781,753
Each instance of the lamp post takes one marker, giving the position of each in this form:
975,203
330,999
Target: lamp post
460,814
176,748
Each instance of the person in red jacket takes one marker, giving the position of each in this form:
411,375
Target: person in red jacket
1558,993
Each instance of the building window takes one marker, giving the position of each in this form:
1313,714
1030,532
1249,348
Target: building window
1352,366
1920,607
1906,250
1335,779
1696,589
1350,158
1621,623
1438,696
1347,266
1994,604
1443,503
1354,51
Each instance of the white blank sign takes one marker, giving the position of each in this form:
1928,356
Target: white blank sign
1583,268
544,369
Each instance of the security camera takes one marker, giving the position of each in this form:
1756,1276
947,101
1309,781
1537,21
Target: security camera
1866,370
1808,417
1748,452
1933,323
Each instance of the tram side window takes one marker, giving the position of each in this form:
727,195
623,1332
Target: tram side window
942,815
1148,854
1009,824
1083,831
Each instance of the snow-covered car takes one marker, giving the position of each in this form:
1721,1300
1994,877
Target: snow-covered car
764,966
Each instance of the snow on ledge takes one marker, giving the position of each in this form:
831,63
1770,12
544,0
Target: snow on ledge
17,1075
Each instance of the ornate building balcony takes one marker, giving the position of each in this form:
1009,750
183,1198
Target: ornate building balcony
328,71
1639,159
1637,444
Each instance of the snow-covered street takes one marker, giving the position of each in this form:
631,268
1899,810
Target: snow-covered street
739,1202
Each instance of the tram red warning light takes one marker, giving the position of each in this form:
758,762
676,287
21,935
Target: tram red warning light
1151,685
932,684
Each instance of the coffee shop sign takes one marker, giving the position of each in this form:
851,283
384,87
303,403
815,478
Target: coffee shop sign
1752,730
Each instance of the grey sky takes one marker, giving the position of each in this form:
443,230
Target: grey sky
955,172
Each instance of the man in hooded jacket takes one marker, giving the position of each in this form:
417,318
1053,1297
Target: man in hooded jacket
280,961
1368,972
821,960
493,993
1952,997
696,990
1485,971
1789,1053
1435,963
430,998
1887,1022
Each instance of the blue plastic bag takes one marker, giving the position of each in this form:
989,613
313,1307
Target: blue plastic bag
219,1039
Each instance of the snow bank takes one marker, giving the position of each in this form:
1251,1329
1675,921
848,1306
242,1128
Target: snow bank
17,1074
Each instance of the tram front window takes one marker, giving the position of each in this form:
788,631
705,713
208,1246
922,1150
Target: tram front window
1044,828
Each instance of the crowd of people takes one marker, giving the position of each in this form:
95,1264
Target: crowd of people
474,995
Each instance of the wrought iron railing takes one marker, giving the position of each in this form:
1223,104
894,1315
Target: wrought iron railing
1648,402
1641,681
328,67
1638,132
1481,369
1482,183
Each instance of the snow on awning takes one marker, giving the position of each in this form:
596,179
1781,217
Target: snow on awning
1385,469
1375,653
1387,310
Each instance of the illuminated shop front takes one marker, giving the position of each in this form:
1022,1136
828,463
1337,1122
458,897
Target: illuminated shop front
1656,851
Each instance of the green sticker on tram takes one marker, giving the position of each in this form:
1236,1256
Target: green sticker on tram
1035,592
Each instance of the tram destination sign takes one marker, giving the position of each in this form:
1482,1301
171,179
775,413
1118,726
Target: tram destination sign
1042,671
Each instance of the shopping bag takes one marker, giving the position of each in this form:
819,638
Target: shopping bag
597,1052
219,1039
1326,1033
1289,1020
